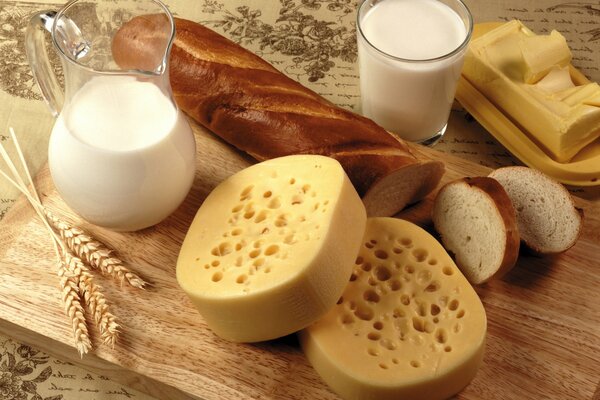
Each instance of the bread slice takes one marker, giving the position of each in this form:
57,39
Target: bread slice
547,218
476,221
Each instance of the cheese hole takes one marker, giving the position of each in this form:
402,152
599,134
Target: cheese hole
247,190
316,206
292,181
267,194
274,203
372,281
340,300
378,325
305,188
432,261
441,335
249,214
418,324
297,199
273,249
373,352
424,276
398,313
326,202
347,319
290,239
364,312
435,309
395,285
301,218
237,232
447,271
254,253
383,366
373,241
406,242
280,223
217,276
395,360
259,262
261,216
433,287
382,273
215,263
448,349
238,247
359,260
366,267
409,269
206,266
369,245
404,299
457,328
453,305
420,254
353,277
237,208
460,314
388,344
371,296
374,336
381,254
436,320
397,250
415,364
258,243
267,270
242,278
422,309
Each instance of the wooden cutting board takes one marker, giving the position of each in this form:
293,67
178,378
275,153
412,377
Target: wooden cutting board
544,317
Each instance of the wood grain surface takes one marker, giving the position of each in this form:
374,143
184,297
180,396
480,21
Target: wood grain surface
543,317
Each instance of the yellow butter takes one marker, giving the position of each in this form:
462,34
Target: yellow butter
271,248
526,75
408,326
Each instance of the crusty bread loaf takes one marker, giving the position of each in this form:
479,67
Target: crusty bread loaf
476,221
248,103
547,218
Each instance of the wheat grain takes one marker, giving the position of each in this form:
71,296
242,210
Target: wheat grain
93,252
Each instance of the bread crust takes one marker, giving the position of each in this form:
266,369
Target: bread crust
560,188
247,102
494,190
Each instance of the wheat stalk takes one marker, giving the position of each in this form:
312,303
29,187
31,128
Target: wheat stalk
93,252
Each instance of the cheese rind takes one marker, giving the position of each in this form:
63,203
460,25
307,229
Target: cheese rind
271,248
523,74
408,326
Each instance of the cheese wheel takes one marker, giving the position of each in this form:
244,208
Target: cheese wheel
408,326
271,248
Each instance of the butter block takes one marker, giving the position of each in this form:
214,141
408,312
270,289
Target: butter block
271,248
408,326
526,75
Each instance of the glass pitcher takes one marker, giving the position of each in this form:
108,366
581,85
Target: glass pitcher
121,154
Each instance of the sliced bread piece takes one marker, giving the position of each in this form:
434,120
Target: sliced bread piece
547,218
476,221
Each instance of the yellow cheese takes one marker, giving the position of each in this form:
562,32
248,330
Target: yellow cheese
526,75
408,326
271,248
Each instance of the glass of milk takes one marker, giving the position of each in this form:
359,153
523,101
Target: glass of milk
410,56
121,154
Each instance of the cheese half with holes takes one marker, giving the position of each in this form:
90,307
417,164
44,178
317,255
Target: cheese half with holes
271,248
527,76
408,326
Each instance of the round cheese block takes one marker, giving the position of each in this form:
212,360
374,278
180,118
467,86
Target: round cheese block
271,248
408,325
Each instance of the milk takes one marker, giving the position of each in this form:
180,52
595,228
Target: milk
121,154
409,90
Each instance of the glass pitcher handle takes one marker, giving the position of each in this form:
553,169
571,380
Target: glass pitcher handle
38,59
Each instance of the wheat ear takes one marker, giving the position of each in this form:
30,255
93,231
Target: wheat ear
93,252
94,299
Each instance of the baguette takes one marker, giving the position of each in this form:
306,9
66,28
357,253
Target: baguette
251,105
